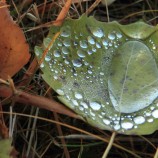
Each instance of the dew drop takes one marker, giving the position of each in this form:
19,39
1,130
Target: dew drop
105,42
90,52
83,44
60,91
81,53
106,121
77,63
67,43
127,125
119,35
47,58
150,120
65,50
111,36
38,51
139,120
66,61
74,102
84,105
57,53
46,42
81,108
98,45
91,40
65,33
42,65
95,105
92,113
116,127
155,113
98,32
78,96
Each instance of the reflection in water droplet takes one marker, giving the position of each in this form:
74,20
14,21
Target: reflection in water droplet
83,44
60,91
155,113
139,119
81,53
91,40
57,53
77,63
78,96
95,105
98,32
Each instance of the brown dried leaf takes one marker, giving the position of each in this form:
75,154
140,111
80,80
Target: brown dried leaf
14,51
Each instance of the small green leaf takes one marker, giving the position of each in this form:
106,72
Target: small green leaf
105,72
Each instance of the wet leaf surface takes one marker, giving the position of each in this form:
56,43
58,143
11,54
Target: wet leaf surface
105,72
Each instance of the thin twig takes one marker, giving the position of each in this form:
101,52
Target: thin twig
109,145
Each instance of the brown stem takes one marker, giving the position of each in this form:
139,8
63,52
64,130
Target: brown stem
39,101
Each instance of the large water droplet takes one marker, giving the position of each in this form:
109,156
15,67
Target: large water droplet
98,32
77,63
95,105
139,119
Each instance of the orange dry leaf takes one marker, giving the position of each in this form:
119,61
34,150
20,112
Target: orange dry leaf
14,51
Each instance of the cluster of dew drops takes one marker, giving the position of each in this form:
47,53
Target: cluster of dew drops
63,50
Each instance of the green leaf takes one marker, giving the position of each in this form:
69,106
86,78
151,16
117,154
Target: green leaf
105,72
